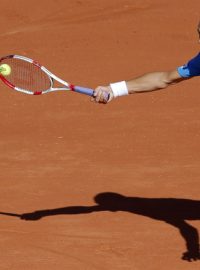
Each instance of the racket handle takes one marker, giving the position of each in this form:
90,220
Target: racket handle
87,91
83,90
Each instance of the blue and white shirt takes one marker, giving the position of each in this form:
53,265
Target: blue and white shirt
191,69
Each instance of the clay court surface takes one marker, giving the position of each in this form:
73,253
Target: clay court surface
61,154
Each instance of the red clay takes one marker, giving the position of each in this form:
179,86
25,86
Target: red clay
60,150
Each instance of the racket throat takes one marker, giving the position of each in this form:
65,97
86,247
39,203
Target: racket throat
72,87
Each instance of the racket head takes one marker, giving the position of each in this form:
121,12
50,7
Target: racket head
26,75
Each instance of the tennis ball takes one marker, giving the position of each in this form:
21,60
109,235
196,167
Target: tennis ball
5,69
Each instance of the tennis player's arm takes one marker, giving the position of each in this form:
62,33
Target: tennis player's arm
157,80
145,83
148,82
153,81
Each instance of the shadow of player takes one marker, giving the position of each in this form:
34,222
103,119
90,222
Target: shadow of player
170,210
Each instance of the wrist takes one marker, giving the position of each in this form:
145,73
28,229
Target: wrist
119,89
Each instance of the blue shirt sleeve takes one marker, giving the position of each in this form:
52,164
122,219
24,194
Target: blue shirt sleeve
191,69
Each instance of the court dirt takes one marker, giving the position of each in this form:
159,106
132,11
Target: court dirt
87,186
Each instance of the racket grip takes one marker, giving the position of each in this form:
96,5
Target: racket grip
87,91
83,90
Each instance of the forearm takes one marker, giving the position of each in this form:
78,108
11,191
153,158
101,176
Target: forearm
153,81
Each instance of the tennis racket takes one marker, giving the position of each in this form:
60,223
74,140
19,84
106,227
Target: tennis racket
28,76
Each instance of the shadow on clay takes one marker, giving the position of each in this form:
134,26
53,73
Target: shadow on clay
170,210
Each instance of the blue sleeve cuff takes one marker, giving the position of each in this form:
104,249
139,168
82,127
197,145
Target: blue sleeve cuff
191,69
184,71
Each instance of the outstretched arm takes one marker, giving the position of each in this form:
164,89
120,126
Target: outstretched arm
145,83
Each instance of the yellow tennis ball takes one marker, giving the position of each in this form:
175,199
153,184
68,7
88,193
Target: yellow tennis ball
5,69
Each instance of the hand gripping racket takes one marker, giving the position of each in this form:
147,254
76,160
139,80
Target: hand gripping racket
28,76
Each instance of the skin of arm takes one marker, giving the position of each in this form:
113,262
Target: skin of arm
145,83
153,81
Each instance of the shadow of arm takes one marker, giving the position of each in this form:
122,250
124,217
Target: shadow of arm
71,210
191,236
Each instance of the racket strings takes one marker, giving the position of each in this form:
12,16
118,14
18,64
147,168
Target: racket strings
26,75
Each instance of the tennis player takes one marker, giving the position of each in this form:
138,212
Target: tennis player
150,81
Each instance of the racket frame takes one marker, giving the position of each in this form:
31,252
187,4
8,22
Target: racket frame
51,76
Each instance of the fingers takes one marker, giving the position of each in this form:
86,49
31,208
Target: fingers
102,94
